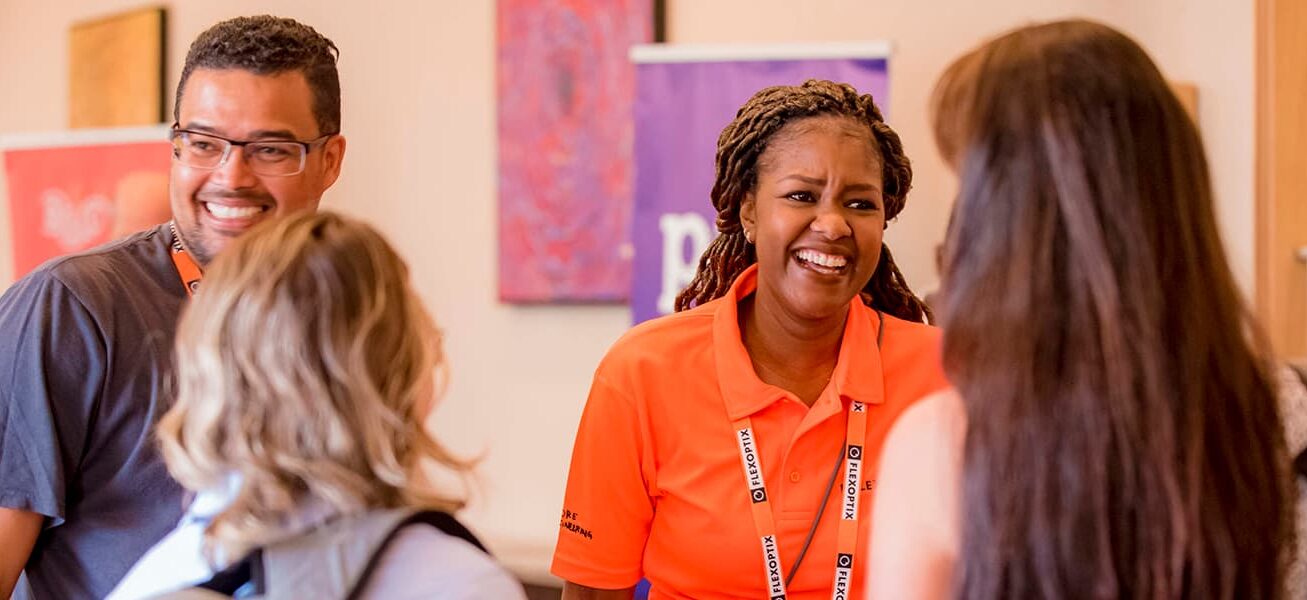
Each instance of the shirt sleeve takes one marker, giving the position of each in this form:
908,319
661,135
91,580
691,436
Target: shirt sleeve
1293,409
608,507
52,360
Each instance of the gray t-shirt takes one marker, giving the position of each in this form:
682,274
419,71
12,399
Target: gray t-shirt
85,353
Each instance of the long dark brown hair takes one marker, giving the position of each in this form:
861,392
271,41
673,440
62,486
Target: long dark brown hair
1124,439
738,149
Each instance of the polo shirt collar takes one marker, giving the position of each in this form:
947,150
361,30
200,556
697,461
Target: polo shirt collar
857,374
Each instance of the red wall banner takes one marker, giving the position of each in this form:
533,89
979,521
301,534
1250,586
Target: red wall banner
69,198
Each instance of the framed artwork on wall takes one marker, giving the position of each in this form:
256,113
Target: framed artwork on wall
565,89
115,70
67,191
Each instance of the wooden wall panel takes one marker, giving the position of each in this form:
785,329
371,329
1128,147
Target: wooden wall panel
1281,163
1188,95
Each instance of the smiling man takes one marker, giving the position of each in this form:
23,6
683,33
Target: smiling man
257,130
86,340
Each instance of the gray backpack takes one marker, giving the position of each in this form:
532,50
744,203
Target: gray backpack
332,561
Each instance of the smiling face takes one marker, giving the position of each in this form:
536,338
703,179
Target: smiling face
816,216
213,206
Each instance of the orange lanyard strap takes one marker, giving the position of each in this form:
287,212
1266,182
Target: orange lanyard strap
764,522
187,269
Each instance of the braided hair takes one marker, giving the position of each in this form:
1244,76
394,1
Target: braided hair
738,149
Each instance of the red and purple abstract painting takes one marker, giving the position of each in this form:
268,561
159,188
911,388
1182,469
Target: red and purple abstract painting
565,89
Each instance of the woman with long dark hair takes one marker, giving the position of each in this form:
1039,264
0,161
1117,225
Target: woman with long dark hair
1113,432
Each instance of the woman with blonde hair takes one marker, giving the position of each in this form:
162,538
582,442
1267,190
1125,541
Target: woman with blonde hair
1114,430
305,372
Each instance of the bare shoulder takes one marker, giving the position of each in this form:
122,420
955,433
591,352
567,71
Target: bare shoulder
935,419
921,463
915,518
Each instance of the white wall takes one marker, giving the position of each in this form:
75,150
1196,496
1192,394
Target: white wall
419,107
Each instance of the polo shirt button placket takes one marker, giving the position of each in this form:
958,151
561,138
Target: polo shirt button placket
794,477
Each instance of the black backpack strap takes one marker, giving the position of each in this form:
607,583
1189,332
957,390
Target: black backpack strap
445,522
236,575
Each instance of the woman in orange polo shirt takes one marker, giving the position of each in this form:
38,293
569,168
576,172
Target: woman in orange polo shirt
728,450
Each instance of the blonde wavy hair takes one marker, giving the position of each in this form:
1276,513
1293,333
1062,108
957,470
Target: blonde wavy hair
306,367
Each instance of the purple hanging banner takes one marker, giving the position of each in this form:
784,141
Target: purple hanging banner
685,95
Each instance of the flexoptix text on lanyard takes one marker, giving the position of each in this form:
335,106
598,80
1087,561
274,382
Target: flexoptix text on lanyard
187,269
847,536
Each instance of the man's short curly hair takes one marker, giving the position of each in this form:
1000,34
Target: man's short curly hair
267,45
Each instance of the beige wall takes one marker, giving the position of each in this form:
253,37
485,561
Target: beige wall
1207,42
419,115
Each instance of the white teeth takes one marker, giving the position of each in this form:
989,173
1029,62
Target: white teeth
823,259
232,212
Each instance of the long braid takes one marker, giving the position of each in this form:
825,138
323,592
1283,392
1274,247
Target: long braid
726,257
888,288
890,293
740,145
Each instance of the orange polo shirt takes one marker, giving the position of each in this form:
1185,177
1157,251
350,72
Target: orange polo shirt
656,488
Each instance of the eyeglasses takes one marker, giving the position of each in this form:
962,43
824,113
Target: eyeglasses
278,158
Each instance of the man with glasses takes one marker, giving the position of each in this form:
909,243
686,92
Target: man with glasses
86,340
